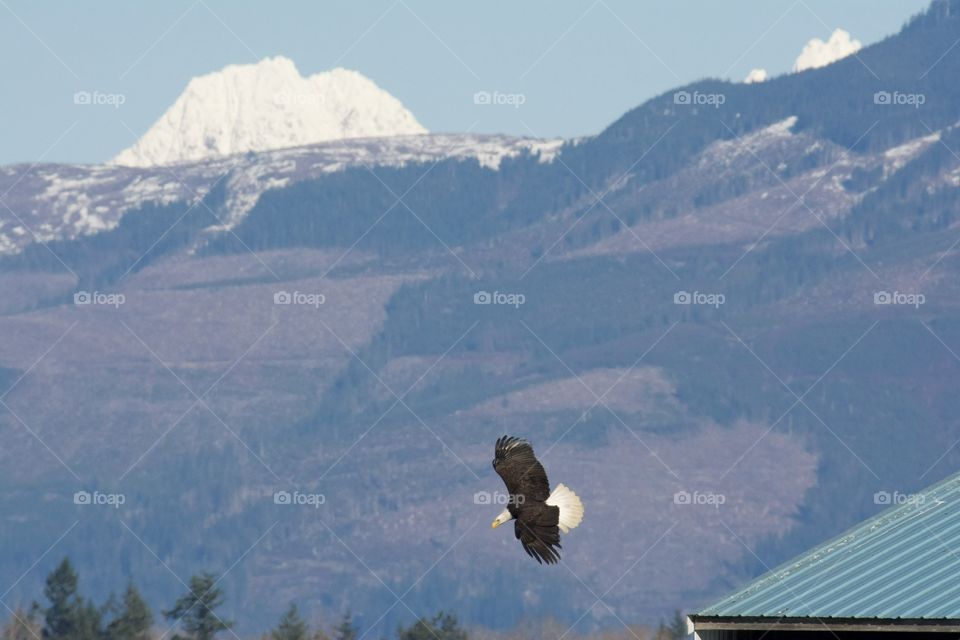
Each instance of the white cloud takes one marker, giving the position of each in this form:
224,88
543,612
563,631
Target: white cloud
818,53
756,75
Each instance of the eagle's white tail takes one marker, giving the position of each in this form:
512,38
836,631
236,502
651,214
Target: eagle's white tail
571,509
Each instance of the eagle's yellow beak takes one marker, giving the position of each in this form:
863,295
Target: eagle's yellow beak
496,523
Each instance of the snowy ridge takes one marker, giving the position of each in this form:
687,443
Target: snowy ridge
896,157
57,202
267,105
747,145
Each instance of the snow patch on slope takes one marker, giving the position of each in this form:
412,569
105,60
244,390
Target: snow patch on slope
749,144
59,202
895,158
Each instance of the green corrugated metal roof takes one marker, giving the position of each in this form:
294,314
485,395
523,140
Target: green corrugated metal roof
902,563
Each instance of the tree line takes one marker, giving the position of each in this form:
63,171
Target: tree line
67,615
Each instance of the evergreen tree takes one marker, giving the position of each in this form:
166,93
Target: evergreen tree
133,620
662,633
89,622
22,625
195,609
63,618
291,627
678,628
441,627
345,630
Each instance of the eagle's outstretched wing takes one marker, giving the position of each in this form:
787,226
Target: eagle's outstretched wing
521,471
537,531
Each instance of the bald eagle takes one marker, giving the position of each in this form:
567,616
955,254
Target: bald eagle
540,515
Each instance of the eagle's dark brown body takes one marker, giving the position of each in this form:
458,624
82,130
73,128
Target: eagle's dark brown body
536,523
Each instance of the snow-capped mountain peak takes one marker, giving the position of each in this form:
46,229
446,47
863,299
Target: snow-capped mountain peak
268,105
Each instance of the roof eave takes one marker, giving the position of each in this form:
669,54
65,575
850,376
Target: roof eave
760,623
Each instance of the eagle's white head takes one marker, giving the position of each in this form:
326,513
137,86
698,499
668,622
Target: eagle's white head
503,517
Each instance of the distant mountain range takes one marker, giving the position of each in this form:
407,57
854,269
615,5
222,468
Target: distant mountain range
264,106
729,322
64,202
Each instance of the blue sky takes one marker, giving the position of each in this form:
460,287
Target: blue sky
579,65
